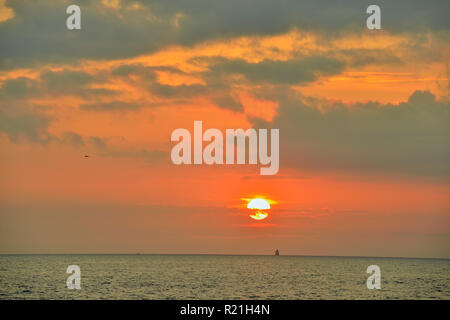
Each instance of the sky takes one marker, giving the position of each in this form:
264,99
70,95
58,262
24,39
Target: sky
363,117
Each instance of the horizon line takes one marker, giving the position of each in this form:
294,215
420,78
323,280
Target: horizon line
226,254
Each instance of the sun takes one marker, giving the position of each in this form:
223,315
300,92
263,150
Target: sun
259,215
259,205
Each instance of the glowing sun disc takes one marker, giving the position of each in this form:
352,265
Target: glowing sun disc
258,203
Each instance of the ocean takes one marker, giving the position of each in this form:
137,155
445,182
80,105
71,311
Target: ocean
221,277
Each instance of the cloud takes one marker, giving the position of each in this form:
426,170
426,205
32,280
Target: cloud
282,72
76,140
364,57
61,80
17,88
72,82
409,139
126,70
405,138
55,83
73,139
23,122
182,91
31,127
228,102
37,33
98,143
110,106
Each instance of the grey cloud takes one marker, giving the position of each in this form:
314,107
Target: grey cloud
363,57
72,82
110,106
409,139
38,34
23,122
73,139
282,72
216,87
97,142
148,80
147,73
92,143
29,125
182,91
55,83
60,80
228,102
17,88
25,126
251,17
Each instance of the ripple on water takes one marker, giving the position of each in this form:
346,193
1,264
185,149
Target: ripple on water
220,277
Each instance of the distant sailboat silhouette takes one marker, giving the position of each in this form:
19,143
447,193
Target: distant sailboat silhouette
277,253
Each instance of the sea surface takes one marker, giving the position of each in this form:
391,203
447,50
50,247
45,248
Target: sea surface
221,277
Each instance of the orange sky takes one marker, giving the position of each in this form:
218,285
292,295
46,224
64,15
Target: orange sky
363,119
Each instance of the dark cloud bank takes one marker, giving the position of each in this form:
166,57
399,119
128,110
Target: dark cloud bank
37,33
